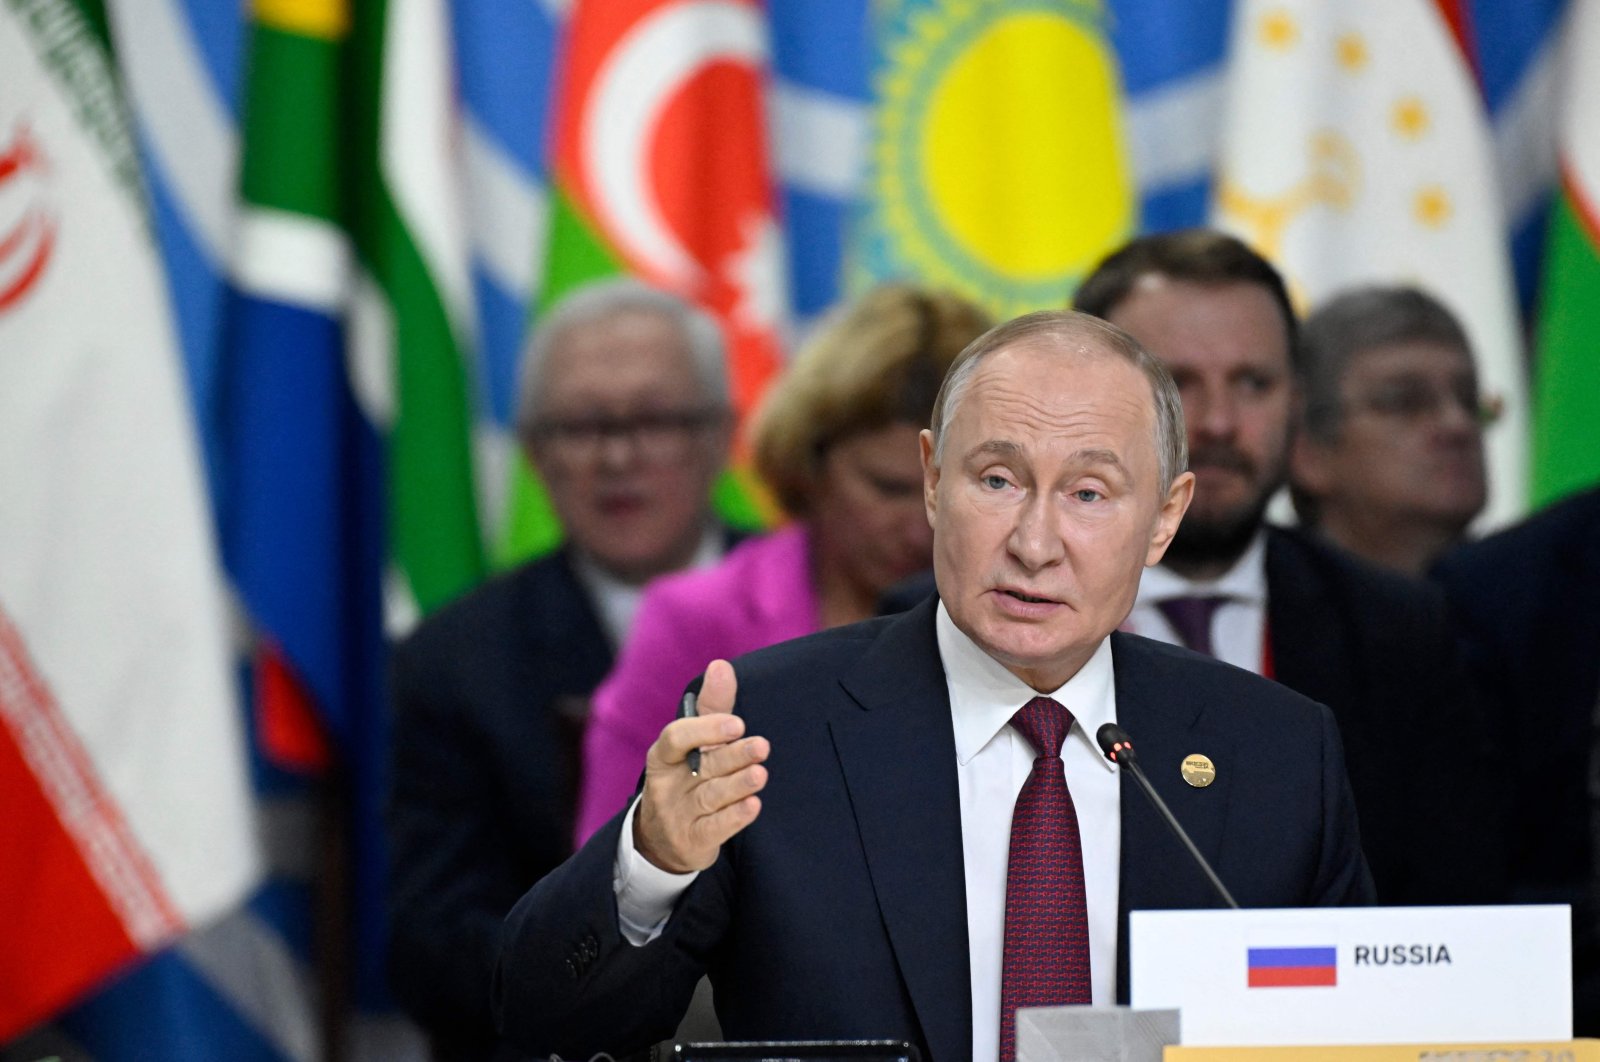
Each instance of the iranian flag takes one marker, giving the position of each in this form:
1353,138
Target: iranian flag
660,169
1567,396
124,807
1356,150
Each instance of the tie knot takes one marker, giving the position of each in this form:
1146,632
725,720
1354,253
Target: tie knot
1044,723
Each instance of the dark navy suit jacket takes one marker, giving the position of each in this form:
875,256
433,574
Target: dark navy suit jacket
490,694
841,911
1528,600
1379,650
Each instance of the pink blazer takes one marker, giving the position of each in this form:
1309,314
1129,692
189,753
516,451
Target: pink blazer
759,594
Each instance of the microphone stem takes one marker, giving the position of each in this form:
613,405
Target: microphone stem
1178,831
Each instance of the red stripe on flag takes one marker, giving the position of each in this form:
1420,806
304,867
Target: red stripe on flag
1459,19
86,899
35,267
1586,209
1293,976
287,726
61,935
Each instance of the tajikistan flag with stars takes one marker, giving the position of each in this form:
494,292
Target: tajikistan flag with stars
1356,150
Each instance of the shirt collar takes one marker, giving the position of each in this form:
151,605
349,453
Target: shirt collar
617,600
984,695
1245,582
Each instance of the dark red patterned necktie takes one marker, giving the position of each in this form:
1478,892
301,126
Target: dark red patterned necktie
1046,960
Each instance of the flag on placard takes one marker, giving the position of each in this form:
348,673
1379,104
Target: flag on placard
1292,967
997,165
660,169
122,764
1567,372
1355,151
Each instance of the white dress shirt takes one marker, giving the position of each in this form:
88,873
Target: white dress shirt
992,763
617,601
1238,627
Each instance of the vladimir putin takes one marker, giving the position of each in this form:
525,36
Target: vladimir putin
906,830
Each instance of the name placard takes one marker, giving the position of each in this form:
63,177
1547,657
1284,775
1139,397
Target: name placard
1354,975
1566,1051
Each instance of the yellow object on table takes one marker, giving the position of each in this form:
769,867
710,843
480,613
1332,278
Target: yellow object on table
1560,1051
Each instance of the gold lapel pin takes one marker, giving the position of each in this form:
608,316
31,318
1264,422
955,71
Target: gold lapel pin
1198,770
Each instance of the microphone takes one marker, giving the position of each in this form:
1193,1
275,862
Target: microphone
1118,748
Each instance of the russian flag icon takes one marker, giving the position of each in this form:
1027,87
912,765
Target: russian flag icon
1293,967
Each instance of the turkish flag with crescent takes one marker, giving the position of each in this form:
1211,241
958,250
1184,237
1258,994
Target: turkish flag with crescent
660,148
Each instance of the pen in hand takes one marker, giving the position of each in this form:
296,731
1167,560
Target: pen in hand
688,708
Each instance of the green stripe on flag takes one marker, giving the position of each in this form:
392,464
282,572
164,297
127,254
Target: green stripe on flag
532,529
433,507
52,17
433,519
1566,441
577,253
94,13
734,496
290,125
72,40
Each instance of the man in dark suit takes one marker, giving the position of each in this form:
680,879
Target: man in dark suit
1374,647
1528,603
624,412
919,835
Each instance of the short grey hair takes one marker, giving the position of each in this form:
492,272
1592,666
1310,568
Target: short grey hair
1060,328
599,300
1357,321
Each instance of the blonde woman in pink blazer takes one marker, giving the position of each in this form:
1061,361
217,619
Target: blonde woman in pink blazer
836,440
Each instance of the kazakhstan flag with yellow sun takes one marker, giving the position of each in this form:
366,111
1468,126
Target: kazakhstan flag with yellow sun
997,166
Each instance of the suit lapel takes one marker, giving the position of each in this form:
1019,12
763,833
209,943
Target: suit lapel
560,653
1579,568
559,617
1166,720
896,747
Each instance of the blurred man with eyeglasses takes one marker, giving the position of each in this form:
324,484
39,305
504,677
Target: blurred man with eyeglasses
1375,647
1388,462
623,410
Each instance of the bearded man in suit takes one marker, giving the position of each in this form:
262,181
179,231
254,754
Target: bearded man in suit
1375,647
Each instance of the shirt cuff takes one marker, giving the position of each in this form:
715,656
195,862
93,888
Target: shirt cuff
645,892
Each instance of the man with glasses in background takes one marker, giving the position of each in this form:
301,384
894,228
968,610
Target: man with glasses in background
1388,462
623,410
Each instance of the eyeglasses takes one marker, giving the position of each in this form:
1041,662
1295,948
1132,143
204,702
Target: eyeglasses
1417,400
661,435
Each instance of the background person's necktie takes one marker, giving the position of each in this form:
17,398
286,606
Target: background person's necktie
1191,618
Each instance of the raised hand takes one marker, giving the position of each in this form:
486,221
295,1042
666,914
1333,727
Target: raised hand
684,817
